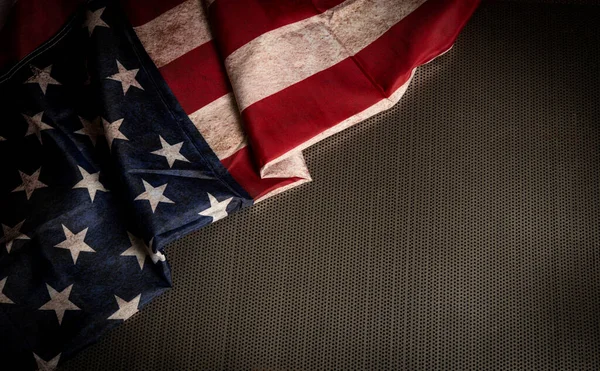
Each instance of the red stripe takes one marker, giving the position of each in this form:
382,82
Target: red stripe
252,18
140,12
280,122
285,120
29,24
197,77
242,169
425,33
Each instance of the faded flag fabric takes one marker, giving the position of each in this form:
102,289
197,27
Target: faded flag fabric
129,124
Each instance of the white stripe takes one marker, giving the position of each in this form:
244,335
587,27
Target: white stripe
220,124
291,166
175,32
289,54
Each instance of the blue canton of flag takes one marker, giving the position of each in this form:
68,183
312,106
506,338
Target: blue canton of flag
100,169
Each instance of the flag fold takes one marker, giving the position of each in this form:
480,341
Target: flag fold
129,124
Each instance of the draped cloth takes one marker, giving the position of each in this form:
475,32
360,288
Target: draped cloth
130,124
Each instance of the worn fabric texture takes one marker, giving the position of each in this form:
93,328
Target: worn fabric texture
129,124
100,170
458,230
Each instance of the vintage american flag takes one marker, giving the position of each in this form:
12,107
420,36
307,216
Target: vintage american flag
128,124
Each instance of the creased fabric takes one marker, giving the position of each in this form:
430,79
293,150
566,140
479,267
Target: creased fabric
100,169
128,124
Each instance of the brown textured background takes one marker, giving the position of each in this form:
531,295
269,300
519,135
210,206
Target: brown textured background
458,230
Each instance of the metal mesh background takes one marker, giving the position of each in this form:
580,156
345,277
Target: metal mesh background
458,230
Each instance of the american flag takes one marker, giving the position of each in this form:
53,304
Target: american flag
129,124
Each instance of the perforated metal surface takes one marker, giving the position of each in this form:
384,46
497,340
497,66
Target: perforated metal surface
459,230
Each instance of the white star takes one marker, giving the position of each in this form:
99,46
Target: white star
30,183
126,308
42,77
91,182
153,195
140,250
112,131
11,234
217,210
92,129
170,152
126,78
59,302
74,243
3,298
46,365
93,20
35,125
